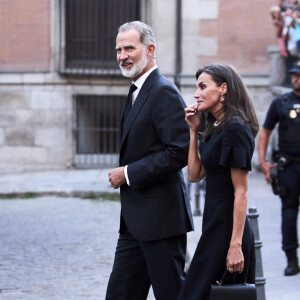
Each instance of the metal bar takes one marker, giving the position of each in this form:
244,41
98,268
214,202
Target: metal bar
96,17
260,281
111,105
197,211
83,31
178,44
95,129
105,121
90,24
97,143
91,27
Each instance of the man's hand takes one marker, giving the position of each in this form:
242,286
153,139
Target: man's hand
265,167
116,177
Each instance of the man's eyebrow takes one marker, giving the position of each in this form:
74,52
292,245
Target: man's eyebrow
126,47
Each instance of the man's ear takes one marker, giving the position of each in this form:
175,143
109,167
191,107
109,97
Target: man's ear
150,50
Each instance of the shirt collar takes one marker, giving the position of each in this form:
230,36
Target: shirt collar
139,82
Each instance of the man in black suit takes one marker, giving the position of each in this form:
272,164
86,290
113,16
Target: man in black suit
155,210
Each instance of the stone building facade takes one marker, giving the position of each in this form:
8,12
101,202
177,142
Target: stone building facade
59,109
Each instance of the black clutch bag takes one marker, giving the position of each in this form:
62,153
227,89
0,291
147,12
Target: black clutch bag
245,291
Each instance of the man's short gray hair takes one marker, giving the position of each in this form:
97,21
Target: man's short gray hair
146,33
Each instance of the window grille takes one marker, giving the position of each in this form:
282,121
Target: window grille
91,27
96,130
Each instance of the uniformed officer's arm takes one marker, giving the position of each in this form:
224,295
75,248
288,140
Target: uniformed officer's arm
262,149
263,144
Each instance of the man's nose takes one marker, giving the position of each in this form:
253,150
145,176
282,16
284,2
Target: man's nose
123,55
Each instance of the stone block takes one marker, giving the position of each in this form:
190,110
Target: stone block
58,100
23,116
29,78
188,62
7,119
50,137
41,100
2,138
19,137
13,100
190,28
39,118
188,95
164,26
57,117
23,155
278,66
10,168
197,47
207,46
259,81
197,9
59,155
50,118
6,78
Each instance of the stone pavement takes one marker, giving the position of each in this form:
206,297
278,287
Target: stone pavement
63,183
58,247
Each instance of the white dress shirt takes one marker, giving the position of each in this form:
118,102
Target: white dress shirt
138,83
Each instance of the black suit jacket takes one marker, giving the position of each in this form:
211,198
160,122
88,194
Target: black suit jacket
154,143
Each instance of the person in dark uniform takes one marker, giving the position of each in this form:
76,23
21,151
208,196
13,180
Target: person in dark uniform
285,110
226,148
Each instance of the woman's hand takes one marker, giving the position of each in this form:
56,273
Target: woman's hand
193,117
235,259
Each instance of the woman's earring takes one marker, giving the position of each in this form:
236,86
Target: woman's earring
222,99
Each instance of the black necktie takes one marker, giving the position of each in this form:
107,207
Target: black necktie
128,103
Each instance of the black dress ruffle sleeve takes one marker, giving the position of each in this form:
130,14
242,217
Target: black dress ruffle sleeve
237,146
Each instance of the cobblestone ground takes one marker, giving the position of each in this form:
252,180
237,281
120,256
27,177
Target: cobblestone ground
63,248
56,248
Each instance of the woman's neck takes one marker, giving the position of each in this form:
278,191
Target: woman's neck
218,116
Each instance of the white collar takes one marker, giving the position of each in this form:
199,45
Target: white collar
139,82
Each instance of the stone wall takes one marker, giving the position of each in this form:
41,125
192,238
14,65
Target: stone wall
37,119
35,128
36,102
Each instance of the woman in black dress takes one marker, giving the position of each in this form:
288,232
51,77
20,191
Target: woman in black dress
226,148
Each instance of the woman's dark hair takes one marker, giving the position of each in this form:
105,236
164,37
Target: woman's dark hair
238,103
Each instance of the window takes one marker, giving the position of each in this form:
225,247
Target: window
96,129
90,31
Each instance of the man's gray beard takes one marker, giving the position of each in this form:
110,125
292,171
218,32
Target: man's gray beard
136,69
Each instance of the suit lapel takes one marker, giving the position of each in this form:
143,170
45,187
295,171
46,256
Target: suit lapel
138,104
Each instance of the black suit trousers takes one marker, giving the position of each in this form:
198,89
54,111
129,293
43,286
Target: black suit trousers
140,264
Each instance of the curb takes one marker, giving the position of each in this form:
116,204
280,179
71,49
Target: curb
73,194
